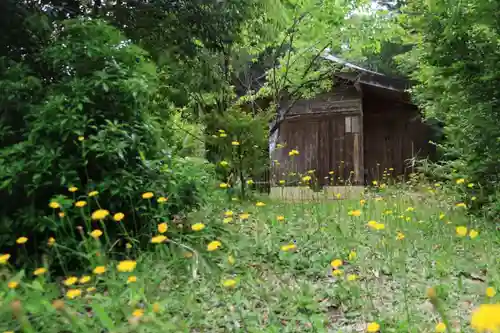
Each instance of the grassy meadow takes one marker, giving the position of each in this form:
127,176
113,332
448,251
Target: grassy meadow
393,260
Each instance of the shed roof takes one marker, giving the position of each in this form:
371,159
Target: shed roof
365,76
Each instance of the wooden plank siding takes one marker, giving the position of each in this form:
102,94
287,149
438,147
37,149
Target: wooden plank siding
317,129
393,134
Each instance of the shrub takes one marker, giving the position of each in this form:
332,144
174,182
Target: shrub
87,116
455,64
237,142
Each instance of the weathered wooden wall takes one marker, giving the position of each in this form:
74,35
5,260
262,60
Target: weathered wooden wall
327,131
393,134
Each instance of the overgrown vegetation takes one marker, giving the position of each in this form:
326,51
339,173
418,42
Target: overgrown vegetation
134,150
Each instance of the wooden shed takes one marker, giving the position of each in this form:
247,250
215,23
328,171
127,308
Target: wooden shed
364,126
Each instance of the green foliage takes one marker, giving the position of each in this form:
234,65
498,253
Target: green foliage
239,147
455,62
89,118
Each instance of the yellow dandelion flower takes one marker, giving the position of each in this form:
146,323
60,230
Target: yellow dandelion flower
39,271
491,292
374,182
158,239
73,189
400,236
306,178
84,279
229,283
162,199
80,204
461,205
99,270
147,195
355,212
132,279
118,217
244,216
228,213
372,223
223,185
280,218
352,255
437,185
410,209
213,245
474,198
4,258
387,212
223,135
352,277
260,204
380,226
470,185
91,289
288,247
54,205
235,143
13,284
197,226
81,138
336,263
126,266
282,182
250,182
373,327
460,181
96,233
338,195
337,272
73,293
461,231
128,246
293,152
231,260
138,313
162,228
70,281
21,240
440,328
442,216
362,202
61,214
227,220
100,214
485,318
224,163
93,193
473,233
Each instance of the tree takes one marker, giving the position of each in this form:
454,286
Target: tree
455,62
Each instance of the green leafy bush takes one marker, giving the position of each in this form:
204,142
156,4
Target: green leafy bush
238,143
88,115
455,62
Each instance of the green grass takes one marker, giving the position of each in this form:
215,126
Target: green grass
293,291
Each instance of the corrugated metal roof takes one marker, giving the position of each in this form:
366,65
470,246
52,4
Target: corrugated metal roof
367,76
